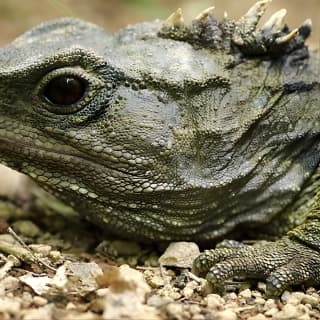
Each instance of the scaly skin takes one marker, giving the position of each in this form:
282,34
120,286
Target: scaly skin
163,131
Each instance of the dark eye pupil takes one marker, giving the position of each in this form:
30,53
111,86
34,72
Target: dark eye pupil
65,90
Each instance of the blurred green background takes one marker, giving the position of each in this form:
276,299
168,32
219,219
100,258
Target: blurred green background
16,16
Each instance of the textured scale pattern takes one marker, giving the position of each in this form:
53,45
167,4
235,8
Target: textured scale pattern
173,131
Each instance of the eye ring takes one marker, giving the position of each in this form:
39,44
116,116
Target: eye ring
67,90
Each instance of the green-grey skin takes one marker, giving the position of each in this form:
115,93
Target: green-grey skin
183,133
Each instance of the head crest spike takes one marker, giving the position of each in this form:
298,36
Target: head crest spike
305,29
202,16
273,40
288,37
175,20
252,17
275,22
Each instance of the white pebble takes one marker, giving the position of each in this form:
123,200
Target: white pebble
39,301
313,300
259,316
293,298
246,294
271,312
214,301
226,315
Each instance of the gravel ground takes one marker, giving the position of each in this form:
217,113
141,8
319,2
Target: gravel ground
86,287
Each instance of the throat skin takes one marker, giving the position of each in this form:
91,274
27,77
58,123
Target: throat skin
175,137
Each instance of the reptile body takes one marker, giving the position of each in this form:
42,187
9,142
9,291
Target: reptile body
168,131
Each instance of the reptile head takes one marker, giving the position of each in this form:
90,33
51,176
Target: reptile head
163,130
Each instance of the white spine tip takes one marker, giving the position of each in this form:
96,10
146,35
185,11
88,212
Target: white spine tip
204,14
175,20
276,21
288,37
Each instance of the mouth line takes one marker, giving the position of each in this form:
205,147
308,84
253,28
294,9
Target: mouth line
74,153
76,156
79,156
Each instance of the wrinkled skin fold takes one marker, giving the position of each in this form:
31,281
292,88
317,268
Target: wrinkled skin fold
167,131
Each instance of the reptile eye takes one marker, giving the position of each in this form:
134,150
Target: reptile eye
65,90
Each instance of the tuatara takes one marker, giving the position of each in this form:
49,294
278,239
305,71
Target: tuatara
174,131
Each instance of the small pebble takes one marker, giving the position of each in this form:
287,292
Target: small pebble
226,315
174,310
10,305
293,298
43,249
308,306
246,294
311,291
233,305
194,309
198,317
170,292
262,286
260,301
71,306
180,254
157,301
269,304
231,296
9,284
256,293
187,292
44,312
156,282
290,311
102,292
313,300
271,312
39,301
7,237
26,299
259,316
214,301
55,255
